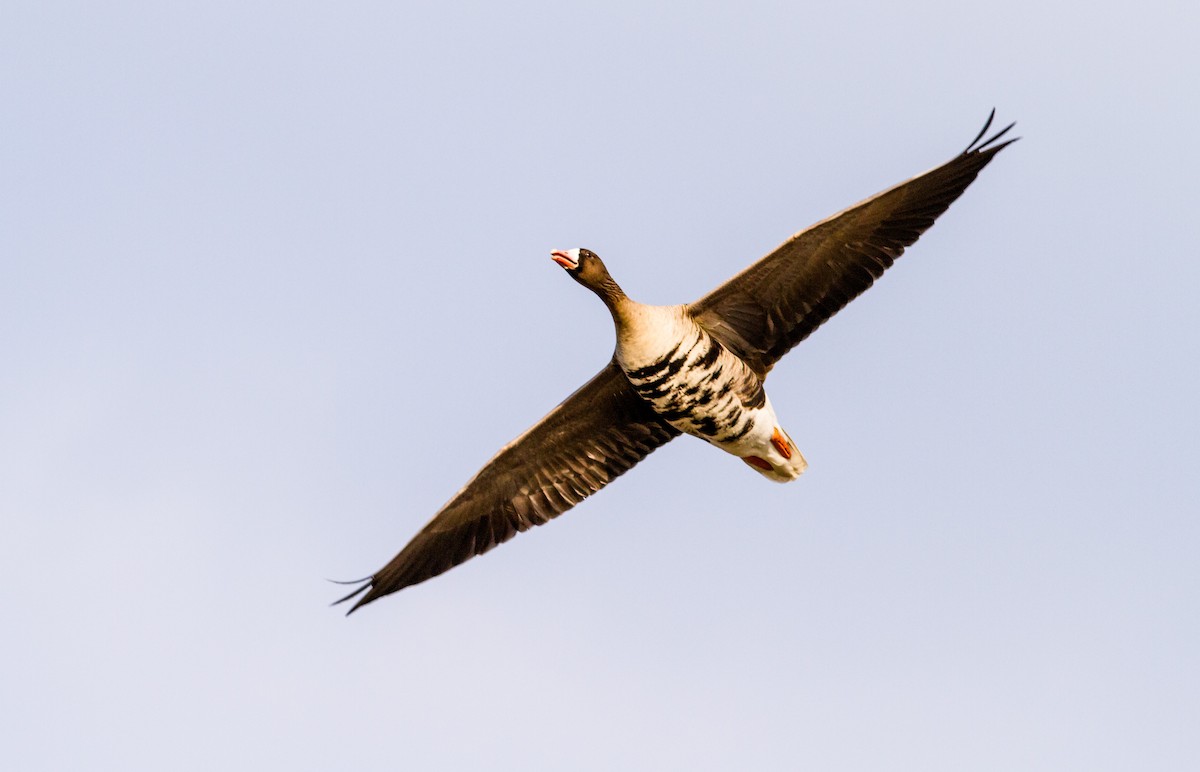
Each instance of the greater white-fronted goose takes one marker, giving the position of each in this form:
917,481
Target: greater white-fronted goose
695,368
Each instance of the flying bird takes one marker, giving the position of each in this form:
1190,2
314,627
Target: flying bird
697,369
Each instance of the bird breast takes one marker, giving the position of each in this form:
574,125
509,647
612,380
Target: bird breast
694,383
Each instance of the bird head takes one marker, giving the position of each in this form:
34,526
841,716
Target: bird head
583,265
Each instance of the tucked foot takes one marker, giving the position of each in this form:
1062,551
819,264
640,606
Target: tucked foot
781,444
759,463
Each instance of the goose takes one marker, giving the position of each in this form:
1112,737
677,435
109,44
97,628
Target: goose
692,369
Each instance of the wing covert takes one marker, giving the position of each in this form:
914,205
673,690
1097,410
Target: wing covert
599,432
778,301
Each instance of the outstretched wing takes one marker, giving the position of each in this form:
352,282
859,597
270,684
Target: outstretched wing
596,434
765,310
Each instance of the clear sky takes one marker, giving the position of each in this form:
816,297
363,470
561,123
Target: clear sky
274,283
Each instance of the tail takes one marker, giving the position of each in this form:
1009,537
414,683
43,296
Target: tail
783,463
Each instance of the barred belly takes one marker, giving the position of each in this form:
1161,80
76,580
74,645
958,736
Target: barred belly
700,388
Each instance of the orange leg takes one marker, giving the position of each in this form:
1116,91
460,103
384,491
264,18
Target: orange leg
760,463
781,444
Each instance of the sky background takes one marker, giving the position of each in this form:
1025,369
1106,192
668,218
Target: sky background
274,283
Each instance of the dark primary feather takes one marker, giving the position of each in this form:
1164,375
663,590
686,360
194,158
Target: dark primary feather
604,428
596,434
765,310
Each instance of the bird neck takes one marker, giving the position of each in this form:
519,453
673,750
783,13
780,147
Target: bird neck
612,295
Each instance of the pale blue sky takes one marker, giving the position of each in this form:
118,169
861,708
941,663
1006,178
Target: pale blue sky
274,282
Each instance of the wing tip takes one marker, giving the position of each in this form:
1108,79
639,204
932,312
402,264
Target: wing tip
977,146
367,584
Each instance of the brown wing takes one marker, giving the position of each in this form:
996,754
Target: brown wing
777,302
596,434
